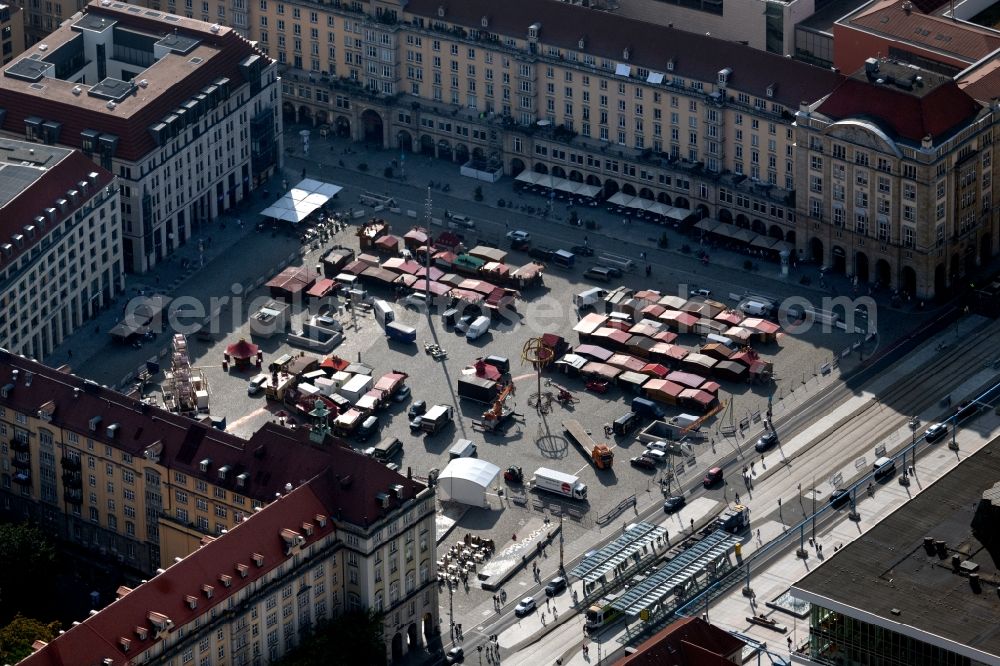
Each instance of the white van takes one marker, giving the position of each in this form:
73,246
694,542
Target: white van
456,221
463,448
477,328
257,384
589,298
755,308
384,313
884,467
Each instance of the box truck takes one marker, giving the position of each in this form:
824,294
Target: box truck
384,314
400,332
477,328
589,298
559,483
436,418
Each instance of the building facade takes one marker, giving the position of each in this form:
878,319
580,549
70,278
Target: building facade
11,32
896,171
141,487
255,592
185,113
60,244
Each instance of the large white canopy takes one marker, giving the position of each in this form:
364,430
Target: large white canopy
466,480
302,200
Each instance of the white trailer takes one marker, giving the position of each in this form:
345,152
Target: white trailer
560,483
356,387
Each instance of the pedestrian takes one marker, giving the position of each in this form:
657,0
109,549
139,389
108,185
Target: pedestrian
751,467
758,534
737,498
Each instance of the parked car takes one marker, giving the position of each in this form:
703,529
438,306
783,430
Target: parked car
417,408
613,271
462,325
555,586
642,462
766,442
456,655
657,456
518,236
673,503
416,423
527,605
839,497
704,293
712,477
935,432
582,250
402,395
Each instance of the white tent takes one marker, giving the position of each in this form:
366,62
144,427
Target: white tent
466,480
301,201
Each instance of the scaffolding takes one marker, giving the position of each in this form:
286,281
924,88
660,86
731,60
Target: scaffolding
188,389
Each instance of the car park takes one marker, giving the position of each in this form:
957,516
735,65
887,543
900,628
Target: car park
712,477
673,503
526,606
839,497
642,462
766,442
555,586
935,432
456,655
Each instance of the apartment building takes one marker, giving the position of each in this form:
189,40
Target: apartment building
255,592
694,122
896,171
143,487
60,244
11,32
184,112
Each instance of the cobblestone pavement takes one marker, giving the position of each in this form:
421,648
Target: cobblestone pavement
240,255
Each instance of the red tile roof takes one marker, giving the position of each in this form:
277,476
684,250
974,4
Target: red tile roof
942,110
608,35
272,457
56,179
131,119
216,569
959,39
687,642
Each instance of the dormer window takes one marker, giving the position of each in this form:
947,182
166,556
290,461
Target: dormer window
485,21
440,11
205,464
627,53
770,90
533,31
724,76
582,44
670,65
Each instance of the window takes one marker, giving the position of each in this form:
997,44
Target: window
909,191
816,162
908,236
815,184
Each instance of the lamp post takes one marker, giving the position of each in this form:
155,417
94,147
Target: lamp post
562,569
428,215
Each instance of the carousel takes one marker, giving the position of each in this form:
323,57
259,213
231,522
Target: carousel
242,355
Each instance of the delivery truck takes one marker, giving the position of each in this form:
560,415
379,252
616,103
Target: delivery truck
559,483
598,455
436,418
479,389
734,520
384,313
400,332
589,298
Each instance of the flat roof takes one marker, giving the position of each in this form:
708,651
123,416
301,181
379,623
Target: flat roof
887,572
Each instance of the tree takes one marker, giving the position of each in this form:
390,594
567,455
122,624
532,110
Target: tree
26,560
16,638
355,637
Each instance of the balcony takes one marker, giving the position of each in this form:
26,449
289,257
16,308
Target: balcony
23,478
19,445
72,479
73,496
71,464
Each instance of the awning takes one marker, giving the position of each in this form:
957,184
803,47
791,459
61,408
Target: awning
678,213
707,225
622,69
301,201
764,242
528,177
594,352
